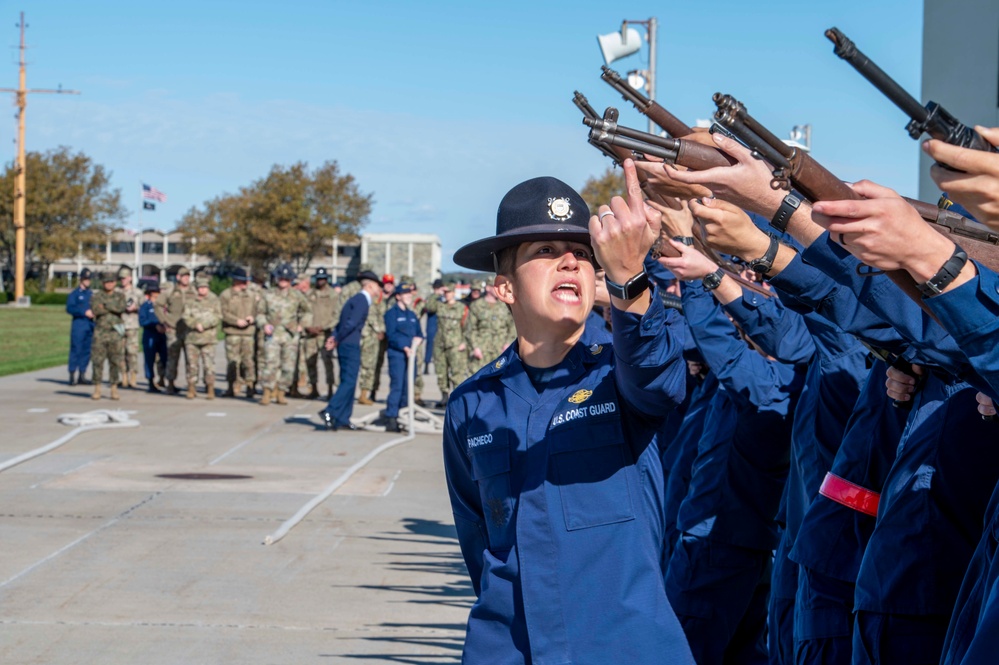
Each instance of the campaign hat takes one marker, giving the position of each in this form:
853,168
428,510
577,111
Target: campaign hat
238,275
537,209
369,275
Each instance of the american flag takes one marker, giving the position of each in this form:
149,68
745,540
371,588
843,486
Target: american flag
153,193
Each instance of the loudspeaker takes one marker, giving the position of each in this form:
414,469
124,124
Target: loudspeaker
617,45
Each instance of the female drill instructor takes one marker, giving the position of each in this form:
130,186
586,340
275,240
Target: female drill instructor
550,451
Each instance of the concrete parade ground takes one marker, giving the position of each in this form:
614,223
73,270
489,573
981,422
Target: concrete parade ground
108,556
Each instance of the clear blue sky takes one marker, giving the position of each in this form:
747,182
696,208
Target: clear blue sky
438,108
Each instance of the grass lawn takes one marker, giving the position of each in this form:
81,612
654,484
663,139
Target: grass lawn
33,338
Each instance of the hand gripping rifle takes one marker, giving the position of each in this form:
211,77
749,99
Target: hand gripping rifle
793,166
620,143
932,119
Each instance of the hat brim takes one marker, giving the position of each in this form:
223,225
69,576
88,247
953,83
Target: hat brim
478,255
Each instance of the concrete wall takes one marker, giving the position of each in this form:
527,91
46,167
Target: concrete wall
960,67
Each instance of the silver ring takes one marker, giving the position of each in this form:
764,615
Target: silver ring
604,214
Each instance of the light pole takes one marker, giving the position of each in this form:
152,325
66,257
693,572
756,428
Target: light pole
619,45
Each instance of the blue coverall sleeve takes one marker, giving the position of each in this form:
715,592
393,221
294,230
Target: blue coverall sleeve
648,350
880,295
76,304
147,315
780,332
466,504
805,288
970,313
742,371
392,336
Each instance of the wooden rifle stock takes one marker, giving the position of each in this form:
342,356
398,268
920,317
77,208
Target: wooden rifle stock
647,107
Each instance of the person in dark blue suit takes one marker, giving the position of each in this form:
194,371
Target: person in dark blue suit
82,332
346,339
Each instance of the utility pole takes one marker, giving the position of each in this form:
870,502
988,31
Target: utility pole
19,168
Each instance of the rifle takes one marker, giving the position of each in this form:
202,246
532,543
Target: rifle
589,112
618,153
795,167
932,119
647,107
689,154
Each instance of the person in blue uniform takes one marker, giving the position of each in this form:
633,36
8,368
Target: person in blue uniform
154,342
82,331
346,339
403,335
719,576
550,451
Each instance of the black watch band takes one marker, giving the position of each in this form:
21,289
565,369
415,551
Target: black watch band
713,281
763,264
948,273
631,289
784,212
686,240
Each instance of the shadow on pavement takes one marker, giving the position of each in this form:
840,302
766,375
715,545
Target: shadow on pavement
450,587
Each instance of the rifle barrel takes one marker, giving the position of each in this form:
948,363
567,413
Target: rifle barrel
848,51
583,105
633,144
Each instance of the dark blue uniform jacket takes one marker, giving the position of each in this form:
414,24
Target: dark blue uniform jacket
743,453
558,501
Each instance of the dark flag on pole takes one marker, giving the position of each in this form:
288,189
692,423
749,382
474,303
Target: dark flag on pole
148,205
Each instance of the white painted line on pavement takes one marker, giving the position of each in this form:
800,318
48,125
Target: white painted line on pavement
38,410
215,414
79,540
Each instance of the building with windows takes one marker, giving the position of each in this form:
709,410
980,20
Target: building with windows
960,67
161,254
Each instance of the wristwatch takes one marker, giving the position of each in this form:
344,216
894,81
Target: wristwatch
763,264
631,289
784,212
686,240
947,274
713,281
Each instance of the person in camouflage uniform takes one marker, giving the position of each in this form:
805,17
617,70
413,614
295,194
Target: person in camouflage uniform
257,287
239,323
202,314
300,284
325,306
373,343
170,312
490,329
109,332
134,297
450,343
282,313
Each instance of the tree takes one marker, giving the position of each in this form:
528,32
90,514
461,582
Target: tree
598,190
69,205
287,215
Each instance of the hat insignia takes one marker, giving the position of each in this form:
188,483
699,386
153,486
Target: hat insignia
499,363
581,396
559,209
595,349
